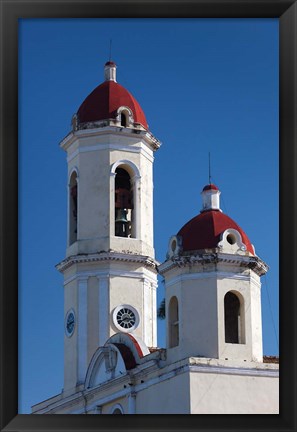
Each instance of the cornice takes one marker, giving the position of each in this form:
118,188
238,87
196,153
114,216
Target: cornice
146,261
95,129
201,258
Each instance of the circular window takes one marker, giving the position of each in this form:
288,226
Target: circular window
231,239
125,318
70,323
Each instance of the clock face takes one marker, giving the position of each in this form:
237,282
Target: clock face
125,318
70,323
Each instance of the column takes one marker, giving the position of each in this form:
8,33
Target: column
103,307
82,328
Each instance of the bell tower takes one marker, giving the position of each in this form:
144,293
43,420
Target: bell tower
110,277
213,289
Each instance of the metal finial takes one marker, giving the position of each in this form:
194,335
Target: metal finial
209,174
110,44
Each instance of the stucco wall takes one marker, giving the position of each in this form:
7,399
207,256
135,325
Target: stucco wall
233,394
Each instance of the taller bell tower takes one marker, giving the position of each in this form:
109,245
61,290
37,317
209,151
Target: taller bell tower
109,271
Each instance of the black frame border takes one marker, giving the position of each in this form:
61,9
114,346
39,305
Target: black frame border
10,12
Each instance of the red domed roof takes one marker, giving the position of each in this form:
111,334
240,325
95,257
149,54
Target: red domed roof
103,102
204,230
210,186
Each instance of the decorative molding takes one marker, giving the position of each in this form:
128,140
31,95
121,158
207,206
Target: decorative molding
214,257
146,261
212,274
223,370
168,372
119,273
134,168
102,128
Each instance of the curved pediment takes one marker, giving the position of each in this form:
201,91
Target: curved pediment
120,353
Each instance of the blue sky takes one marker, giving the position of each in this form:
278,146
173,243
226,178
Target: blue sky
205,85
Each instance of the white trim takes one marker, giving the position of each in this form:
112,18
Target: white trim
117,406
103,308
176,370
73,169
120,273
82,327
147,318
130,164
125,109
234,371
145,260
104,400
120,147
136,182
213,274
198,258
149,138
118,326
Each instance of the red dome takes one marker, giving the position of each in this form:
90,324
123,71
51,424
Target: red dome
210,186
204,230
103,102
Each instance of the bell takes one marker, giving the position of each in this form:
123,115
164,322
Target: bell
121,216
121,223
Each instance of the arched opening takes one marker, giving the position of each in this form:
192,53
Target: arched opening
73,199
117,411
124,121
123,204
234,320
173,322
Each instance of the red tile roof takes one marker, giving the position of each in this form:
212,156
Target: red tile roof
103,102
204,231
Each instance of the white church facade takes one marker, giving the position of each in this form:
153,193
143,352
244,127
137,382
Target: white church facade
213,361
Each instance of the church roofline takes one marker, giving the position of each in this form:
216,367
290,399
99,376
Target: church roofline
148,366
203,257
102,129
107,256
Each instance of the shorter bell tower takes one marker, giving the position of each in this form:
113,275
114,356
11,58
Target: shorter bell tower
213,289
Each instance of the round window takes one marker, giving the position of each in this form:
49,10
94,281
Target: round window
231,239
125,318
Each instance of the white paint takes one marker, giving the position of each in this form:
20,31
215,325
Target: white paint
236,247
202,385
103,307
211,274
142,150
132,403
136,183
210,200
110,72
200,288
151,276
82,328
126,162
115,407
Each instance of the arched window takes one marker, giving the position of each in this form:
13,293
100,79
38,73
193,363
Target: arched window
234,320
73,199
173,322
123,204
117,411
123,119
